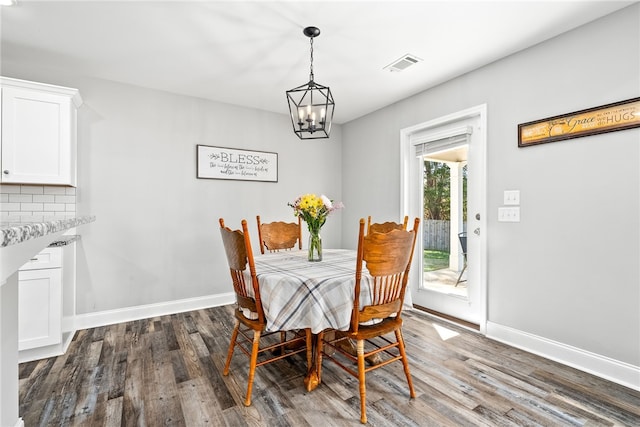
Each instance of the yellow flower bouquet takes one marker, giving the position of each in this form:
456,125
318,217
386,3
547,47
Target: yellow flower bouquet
314,211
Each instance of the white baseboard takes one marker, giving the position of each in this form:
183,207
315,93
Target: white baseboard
110,317
38,353
604,367
47,351
67,337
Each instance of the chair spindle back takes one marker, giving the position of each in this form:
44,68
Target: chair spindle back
237,246
388,260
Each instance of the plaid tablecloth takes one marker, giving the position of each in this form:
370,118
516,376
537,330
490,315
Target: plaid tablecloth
300,294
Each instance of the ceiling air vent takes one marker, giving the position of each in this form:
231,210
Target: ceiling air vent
403,63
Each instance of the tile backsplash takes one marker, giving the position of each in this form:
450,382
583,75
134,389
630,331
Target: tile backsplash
24,203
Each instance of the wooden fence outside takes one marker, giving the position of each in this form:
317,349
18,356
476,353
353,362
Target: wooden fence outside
435,235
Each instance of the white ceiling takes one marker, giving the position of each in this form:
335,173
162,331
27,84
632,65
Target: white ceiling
250,53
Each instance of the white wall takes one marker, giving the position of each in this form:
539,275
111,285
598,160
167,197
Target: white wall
156,236
569,271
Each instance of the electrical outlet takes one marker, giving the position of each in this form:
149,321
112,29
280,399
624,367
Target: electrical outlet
509,214
512,197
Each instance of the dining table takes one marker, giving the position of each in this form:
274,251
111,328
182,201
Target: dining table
297,293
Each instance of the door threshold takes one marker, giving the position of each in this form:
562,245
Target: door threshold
450,319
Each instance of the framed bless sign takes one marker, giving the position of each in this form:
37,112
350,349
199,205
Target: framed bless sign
606,118
234,164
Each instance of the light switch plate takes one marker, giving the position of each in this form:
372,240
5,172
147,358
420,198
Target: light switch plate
511,214
512,197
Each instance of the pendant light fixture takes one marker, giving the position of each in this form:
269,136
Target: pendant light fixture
311,105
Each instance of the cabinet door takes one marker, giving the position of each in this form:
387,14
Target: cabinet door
36,137
39,308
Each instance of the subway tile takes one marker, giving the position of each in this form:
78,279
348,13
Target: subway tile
9,189
32,189
25,202
54,190
47,198
11,207
54,207
31,218
31,206
20,198
65,199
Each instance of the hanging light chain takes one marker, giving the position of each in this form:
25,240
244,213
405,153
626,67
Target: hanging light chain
311,62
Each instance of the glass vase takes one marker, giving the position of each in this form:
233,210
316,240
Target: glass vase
315,246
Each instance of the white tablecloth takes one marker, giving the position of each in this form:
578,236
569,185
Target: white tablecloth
300,294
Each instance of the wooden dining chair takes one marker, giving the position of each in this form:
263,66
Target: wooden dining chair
279,235
388,260
386,226
249,331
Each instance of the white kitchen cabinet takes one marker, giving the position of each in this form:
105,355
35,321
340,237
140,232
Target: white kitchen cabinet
39,133
40,300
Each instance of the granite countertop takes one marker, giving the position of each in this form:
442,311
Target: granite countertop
65,240
18,232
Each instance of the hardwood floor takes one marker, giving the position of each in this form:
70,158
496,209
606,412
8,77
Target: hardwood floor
168,371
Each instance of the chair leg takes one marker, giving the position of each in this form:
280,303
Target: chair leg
405,361
361,379
283,338
252,366
232,346
460,276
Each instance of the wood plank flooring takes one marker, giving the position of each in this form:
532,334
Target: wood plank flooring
168,371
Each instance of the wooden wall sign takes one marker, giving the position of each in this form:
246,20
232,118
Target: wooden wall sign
234,164
606,118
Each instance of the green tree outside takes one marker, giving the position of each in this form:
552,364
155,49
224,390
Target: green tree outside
437,206
437,191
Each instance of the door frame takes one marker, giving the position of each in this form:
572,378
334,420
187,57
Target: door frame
408,165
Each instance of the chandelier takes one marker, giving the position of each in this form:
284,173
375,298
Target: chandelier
311,104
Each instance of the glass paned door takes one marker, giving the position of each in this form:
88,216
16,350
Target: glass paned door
434,281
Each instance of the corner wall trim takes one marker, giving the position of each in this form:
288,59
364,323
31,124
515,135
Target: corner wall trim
109,317
604,367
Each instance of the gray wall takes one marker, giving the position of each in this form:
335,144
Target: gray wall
156,236
569,271
557,274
